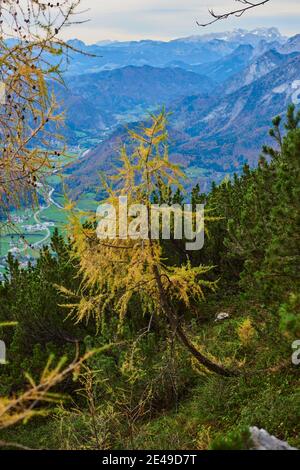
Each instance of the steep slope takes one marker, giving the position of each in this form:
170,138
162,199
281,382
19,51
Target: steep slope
257,68
228,66
83,175
291,45
232,128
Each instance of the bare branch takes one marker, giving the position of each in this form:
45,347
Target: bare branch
238,13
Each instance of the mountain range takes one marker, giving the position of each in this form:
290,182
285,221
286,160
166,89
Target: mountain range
194,50
222,91
99,101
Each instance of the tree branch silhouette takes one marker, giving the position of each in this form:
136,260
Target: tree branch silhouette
238,13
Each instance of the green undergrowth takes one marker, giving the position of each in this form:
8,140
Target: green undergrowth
207,411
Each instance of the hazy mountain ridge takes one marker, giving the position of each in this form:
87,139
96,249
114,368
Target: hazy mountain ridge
241,36
95,102
156,54
192,50
228,66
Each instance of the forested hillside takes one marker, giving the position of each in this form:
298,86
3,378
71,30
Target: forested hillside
149,233
195,355
205,127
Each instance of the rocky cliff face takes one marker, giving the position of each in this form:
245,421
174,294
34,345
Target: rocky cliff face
291,45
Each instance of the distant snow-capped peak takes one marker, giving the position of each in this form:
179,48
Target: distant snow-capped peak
240,35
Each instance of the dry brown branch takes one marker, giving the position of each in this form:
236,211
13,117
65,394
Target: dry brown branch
24,406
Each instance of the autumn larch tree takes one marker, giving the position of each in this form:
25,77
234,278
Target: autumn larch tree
119,269
30,54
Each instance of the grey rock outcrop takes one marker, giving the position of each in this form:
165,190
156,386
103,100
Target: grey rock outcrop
262,440
222,316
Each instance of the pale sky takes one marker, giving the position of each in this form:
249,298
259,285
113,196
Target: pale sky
168,19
